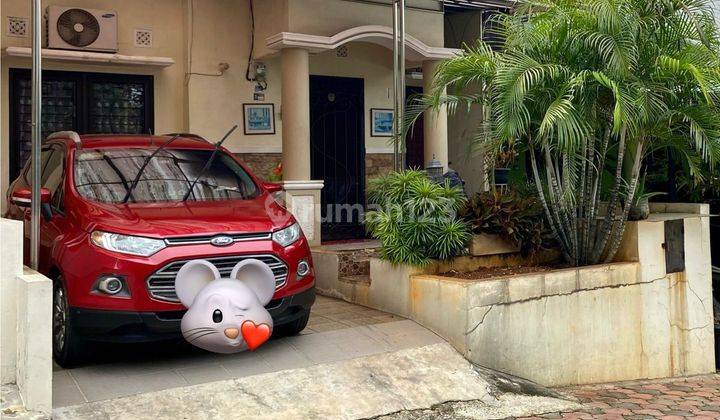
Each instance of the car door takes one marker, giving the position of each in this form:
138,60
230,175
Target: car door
53,227
52,178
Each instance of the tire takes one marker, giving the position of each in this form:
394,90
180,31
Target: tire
67,346
294,328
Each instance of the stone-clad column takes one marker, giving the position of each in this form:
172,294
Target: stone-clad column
435,122
295,114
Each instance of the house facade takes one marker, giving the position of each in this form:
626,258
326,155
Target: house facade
307,81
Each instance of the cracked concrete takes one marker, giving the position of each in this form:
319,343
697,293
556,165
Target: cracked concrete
591,324
366,387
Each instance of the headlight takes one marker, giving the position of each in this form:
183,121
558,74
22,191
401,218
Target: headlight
135,245
287,236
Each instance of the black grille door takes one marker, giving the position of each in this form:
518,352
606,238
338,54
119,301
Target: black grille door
337,140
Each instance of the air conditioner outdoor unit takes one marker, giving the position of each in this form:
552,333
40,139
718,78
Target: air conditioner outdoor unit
72,28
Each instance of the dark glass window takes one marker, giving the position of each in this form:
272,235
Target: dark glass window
117,108
105,175
52,174
58,113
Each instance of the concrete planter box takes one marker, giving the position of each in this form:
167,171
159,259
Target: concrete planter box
485,244
621,321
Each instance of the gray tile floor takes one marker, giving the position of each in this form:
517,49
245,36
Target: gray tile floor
337,331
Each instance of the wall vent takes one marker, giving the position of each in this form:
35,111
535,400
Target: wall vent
341,51
143,38
18,26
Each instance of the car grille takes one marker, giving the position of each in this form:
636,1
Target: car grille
237,237
161,284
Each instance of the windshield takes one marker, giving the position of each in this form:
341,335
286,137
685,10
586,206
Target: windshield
105,175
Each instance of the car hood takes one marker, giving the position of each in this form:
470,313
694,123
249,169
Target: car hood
162,220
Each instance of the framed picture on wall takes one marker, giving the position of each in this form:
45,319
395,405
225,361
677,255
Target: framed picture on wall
381,122
259,118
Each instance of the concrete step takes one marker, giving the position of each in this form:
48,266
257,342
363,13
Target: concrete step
356,279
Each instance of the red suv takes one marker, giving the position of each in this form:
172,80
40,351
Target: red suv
122,213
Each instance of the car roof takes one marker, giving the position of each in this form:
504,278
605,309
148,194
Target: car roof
104,141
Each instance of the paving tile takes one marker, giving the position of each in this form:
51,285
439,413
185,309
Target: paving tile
65,391
203,374
330,352
282,355
96,386
329,326
674,398
245,364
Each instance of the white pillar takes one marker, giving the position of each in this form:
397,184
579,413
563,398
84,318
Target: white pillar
435,122
302,195
295,114
11,249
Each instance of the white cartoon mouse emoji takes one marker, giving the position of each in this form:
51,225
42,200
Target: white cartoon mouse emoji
226,315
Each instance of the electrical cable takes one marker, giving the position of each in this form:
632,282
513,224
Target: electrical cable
252,42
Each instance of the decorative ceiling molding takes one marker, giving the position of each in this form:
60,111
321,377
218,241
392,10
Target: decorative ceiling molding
416,50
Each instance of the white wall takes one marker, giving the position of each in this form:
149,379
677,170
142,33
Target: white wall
25,323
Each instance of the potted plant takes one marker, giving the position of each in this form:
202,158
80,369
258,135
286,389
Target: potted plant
503,161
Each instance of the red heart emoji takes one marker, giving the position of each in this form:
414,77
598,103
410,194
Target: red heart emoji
254,335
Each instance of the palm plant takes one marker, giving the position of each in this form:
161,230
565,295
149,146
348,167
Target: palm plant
588,86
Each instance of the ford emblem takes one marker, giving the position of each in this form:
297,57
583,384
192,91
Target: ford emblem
222,240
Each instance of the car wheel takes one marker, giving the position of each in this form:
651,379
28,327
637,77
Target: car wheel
294,328
66,345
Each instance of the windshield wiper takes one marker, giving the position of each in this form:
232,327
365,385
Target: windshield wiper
143,166
208,163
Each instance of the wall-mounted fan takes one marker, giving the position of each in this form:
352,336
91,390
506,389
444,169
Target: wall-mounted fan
78,27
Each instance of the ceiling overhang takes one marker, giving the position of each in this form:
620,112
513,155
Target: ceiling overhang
92,57
416,50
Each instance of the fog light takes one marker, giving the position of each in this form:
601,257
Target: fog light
303,269
110,285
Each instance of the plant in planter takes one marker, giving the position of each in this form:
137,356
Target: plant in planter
504,158
513,217
416,219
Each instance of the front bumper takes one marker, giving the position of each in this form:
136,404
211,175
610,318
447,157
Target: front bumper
135,327
83,264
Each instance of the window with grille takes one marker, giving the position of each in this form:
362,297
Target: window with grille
82,102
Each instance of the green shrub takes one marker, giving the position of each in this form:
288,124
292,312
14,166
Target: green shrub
514,217
415,219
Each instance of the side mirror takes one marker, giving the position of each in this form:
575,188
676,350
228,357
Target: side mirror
272,187
23,197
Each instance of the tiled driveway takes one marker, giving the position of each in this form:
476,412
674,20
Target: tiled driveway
696,397
337,331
